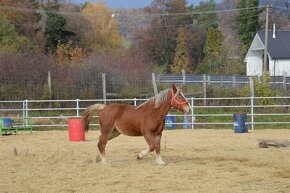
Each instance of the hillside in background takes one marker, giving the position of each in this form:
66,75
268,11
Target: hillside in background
75,44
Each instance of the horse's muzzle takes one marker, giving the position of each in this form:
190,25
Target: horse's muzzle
186,109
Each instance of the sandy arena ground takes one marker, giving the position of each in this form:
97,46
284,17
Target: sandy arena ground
198,161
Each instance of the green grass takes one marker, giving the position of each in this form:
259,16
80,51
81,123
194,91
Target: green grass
179,119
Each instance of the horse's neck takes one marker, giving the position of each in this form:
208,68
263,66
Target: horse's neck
164,108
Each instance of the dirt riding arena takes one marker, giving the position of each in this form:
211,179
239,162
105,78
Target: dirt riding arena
197,161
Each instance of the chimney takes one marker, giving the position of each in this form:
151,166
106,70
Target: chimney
274,31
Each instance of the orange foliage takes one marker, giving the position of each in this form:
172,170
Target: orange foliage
105,31
66,53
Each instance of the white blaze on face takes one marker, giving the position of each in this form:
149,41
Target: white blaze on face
186,107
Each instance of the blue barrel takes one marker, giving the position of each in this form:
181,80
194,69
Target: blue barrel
240,123
7,122
170,121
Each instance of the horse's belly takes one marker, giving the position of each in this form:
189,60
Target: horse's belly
129,130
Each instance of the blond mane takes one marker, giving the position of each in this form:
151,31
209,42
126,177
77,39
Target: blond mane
158,99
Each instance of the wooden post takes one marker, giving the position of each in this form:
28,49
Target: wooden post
208,79
183,77
104,88
252,90
49,84
49,88
234,82
154,84
265,70
204,89
284,83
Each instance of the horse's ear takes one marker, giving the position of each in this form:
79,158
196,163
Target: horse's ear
174,88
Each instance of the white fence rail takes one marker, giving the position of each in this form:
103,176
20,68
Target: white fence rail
55,113
218,80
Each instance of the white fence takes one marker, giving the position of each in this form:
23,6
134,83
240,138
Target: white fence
218,80
216,112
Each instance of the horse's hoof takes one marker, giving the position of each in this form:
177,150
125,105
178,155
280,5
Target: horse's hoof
161,163
98,159
139,157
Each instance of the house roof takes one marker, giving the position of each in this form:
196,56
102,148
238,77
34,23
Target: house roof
279,47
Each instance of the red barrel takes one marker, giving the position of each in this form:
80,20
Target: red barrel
76,130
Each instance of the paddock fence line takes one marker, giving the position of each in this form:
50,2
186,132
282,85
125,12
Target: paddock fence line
218,80
217,113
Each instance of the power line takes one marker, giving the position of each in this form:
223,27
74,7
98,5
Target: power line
124,27
281,8
25,10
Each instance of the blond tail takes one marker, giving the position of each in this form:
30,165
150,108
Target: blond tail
88,114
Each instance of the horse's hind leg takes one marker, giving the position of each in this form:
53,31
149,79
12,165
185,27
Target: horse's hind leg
115,133
106,134
102,145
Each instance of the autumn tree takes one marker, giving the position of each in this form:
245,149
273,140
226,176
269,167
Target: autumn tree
24,21
10,40
233,59
66,53
158,40
103,31
181,59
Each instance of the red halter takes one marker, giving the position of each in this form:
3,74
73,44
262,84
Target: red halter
179,103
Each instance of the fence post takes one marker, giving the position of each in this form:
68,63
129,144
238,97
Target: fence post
25,112
252,100
104,87
192,113
154,83
49,88
183,77
234,81
208,79
284,83
78,106
135,102
204,89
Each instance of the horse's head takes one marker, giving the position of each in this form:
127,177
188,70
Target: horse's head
178,101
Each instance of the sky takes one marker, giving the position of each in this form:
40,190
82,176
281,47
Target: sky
129,3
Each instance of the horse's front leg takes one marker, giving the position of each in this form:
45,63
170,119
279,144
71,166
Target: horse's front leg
143,153
159,160
149,137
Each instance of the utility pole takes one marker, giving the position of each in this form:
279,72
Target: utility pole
266,39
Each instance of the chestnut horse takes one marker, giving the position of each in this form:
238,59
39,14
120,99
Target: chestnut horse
147,119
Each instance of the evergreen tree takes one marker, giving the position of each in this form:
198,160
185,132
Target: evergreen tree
206,20
213,61
55,27
248,20
181,59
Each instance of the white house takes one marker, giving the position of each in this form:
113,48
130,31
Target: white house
278,54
